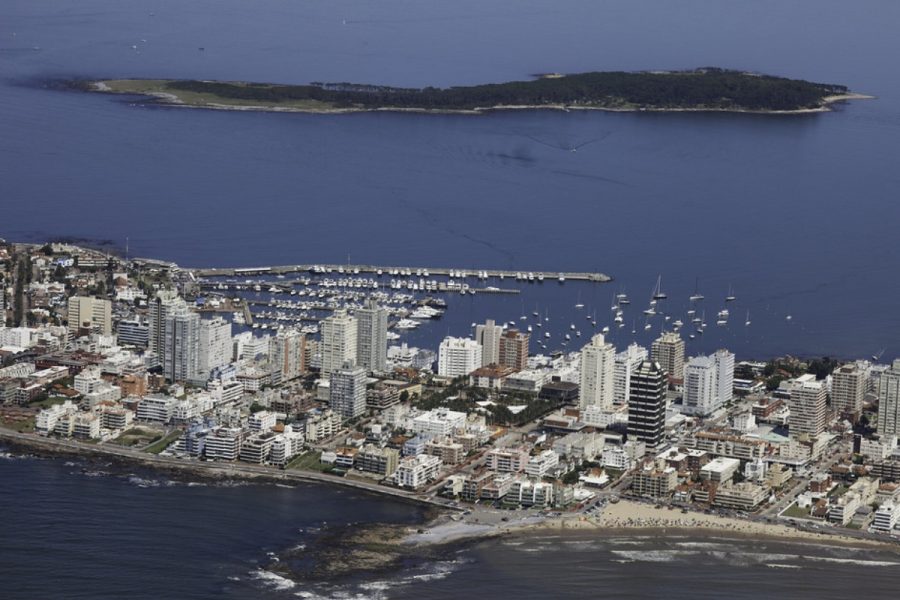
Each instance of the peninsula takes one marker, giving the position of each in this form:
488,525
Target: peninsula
708,89
258,388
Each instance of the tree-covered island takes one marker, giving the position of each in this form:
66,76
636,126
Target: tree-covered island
706,89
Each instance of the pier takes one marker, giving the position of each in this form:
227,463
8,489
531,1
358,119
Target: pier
348,269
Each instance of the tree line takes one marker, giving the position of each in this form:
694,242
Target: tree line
704,88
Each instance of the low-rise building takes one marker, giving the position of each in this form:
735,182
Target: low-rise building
439,422
414,472
46,420
523,492
506,460
449,451
654,480
886,518
720,469
157,409
115,417
542,465
381,461
257,448
744,496
223,443
262,420
723,444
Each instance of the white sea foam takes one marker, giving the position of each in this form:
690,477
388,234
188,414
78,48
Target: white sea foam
273,579
701,545
778,566
656,556
852,561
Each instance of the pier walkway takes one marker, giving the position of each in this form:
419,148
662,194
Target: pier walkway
403,271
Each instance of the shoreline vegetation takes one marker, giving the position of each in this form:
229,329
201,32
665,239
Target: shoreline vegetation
700,90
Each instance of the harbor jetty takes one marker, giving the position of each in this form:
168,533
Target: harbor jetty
454,273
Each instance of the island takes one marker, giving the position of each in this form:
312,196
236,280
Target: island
707,89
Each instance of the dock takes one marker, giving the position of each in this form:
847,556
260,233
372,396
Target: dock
348,269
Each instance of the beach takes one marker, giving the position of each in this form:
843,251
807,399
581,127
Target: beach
624,516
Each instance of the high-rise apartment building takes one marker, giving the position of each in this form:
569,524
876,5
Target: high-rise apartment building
647,404
287,354
724,376
889,401
626,362
181,344
159,308
668,351
700,386
488,337
597,374
808,406
848,388
347,391
338,344
513,349
458,357
708,383
371,337
89,314
214,347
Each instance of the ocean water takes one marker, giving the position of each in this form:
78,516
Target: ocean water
798,214
82,530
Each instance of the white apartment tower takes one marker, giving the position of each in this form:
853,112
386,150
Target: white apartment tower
338,341
214,347
701,386
724,376
627,362
458,357
159,309
182,337
371,337
488,337
808,406
889,401
597,374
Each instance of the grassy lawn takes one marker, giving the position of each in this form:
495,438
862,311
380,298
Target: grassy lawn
796,512
838,491
150,86
47,402
160,445
138,436
20,425
308,461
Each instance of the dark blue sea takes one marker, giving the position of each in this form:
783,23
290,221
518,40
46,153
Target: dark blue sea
797,213
85,530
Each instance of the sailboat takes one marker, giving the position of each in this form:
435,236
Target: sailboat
730,297
658,294
747,321
696,296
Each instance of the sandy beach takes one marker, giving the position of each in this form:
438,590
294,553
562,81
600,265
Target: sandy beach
622,517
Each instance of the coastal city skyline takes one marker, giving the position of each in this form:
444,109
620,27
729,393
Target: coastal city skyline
418,300
303,373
